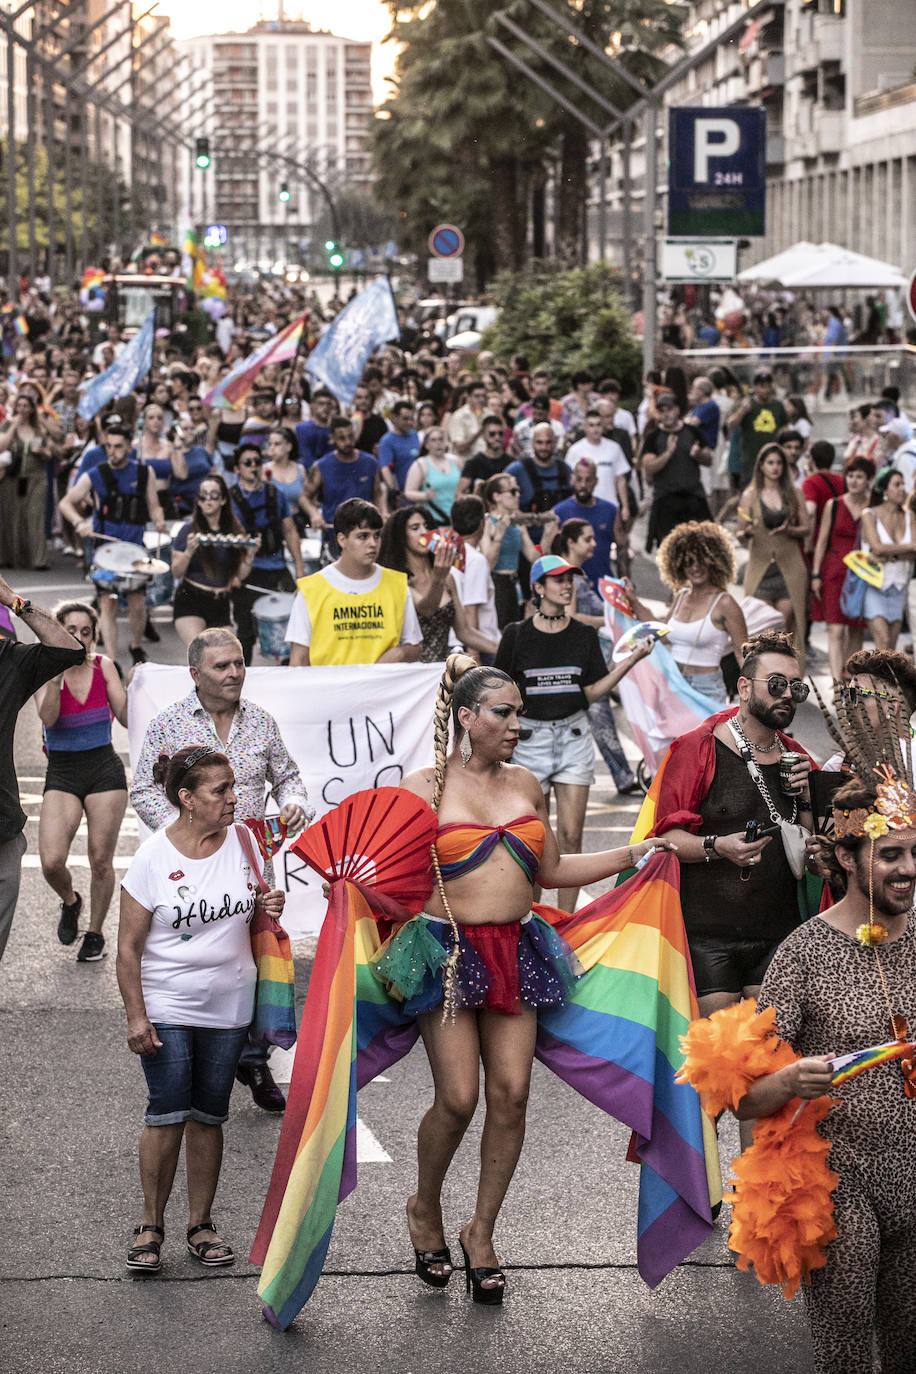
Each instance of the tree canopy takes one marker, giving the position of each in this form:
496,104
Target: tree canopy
466,137
565,320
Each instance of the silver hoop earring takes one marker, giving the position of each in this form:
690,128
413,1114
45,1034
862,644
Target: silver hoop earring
465,749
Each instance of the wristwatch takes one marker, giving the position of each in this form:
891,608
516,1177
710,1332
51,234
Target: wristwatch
709,848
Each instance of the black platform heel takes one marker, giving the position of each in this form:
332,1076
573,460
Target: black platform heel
425,1259
473,1279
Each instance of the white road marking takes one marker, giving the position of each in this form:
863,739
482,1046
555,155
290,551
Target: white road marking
369,1150
78,861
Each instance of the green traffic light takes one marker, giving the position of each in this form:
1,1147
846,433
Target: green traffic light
203,161
202,153
329,245
336,260
283,193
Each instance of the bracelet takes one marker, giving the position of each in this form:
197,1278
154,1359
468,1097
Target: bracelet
709,848
816,577
20,607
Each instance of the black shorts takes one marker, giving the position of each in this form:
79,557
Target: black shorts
81,772
213,608
729,964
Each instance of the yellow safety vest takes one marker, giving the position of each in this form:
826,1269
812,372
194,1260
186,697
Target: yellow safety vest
353,629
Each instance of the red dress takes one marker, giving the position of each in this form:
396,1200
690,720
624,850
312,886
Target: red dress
833,570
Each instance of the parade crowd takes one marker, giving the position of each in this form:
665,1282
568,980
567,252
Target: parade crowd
473,506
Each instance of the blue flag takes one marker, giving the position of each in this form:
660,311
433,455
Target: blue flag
129,368
338,358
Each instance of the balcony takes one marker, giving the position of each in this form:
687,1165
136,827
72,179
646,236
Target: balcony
825,134
764,72
776,149
820,40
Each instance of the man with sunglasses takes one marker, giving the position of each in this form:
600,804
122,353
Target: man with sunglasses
738,896
263,510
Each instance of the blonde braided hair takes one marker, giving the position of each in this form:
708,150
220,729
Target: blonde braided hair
456,665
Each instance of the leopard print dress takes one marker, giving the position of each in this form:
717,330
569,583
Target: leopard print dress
826,990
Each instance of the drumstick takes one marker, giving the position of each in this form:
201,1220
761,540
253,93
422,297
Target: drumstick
267,591
112,537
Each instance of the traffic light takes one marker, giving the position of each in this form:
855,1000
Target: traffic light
335,256
283,193
202,153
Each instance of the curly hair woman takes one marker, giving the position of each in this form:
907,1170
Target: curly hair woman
697,563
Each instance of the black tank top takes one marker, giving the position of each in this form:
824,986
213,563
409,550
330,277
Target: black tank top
714,900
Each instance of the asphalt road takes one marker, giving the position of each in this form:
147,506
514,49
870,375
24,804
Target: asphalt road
71,1103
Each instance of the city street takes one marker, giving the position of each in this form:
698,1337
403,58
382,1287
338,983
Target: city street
70,1115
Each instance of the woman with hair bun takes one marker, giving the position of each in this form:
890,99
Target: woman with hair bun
187,978
496,964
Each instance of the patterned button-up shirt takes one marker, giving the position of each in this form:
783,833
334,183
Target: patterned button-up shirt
259,758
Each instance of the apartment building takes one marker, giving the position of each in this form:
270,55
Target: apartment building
79,99
838,81
290,107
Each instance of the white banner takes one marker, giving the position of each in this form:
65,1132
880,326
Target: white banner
347,729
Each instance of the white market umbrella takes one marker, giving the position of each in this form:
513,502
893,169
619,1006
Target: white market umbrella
773,269
840,267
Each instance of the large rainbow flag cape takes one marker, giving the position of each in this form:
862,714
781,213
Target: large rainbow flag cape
616,1042
230,392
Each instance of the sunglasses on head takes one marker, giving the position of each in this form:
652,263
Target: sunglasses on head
778,682
852,694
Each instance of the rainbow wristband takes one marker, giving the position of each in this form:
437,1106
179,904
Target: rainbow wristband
19,606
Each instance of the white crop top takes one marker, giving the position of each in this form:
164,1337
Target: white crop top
897,571
696,643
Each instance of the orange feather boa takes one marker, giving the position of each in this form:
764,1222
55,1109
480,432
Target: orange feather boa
782,1208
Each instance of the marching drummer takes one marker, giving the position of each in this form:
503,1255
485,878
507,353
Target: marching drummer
122,495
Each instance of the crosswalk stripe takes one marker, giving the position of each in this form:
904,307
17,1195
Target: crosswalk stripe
369,1149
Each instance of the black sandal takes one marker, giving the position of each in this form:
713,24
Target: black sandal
425,1259
201,1251
134,1260
489,1297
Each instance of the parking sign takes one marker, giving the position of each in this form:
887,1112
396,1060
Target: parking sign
717,171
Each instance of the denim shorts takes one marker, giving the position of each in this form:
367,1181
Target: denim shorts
557,750
710,685
190,1078
887,603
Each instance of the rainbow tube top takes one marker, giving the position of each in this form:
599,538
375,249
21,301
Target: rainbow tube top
463,846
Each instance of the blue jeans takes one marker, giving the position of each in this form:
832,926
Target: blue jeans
604,732
190,1078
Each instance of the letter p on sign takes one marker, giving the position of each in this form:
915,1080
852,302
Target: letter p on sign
713,138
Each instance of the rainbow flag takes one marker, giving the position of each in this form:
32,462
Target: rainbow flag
229,393
616,1042
847,1066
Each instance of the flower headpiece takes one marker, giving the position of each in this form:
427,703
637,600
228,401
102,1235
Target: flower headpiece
895,809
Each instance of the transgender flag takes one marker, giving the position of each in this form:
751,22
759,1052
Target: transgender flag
657,700
229,393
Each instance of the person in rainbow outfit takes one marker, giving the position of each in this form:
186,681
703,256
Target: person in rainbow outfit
827,1193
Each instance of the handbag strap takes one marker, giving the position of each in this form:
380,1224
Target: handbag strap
247,843
753,769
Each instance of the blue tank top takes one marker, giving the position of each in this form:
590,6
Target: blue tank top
509,550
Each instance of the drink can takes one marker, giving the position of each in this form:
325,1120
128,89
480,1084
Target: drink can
789,761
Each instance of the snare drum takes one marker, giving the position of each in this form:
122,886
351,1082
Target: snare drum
160,588
271,615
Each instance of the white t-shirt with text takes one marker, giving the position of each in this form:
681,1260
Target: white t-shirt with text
197,968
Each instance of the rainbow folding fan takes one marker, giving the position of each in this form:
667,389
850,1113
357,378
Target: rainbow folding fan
379,839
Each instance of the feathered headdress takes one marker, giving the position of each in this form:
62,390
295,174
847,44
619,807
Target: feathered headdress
872,747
